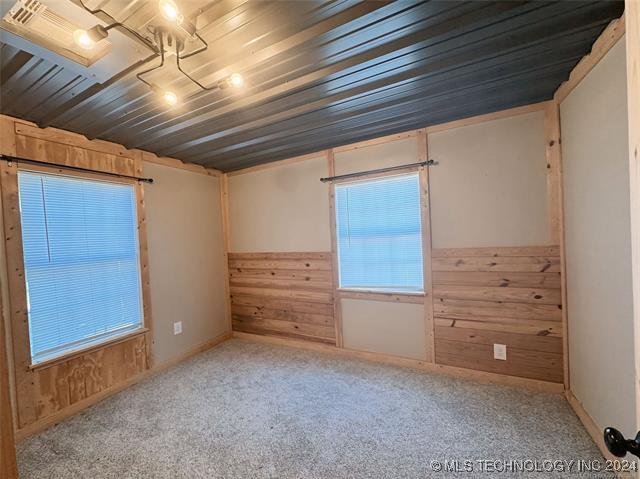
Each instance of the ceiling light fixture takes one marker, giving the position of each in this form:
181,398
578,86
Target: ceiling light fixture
236,80
87,39
169,10
169,97
115,24
173,37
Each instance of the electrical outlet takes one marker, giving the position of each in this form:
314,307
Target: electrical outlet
177,328
500,351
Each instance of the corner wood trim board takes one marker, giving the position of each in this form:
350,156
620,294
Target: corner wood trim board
283,294
510,296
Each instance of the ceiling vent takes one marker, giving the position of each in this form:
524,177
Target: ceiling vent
23,11
42,25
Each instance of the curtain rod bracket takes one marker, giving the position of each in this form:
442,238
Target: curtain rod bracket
380,170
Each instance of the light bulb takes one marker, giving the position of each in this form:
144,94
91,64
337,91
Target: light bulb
236,80
170,98
87,39
169,10
83,40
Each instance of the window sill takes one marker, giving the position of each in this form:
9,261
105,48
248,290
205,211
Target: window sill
381,291
87,349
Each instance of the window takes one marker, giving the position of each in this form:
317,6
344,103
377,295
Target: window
80,247
379,234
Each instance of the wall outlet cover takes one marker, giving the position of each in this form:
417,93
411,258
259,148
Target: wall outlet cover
177,327
500,352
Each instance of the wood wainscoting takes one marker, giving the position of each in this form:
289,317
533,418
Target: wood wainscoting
65,383
283,294
510,296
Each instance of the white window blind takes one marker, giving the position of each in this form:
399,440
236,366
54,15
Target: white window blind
80,246
379,234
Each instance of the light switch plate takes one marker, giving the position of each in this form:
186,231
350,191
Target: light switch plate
177,328
500,351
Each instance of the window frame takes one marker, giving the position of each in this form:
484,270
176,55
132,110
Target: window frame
144,327
424,229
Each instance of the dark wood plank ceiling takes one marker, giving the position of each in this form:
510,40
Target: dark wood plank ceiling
318,74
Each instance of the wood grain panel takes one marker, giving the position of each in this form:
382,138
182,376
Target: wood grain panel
522,326
510,296
497,252
283,294
283,315
502,280
67,382
278,283
52,152
248,324
531,342
488,293
521,264
449,308
382,296
297,264
291,274
285,305
8,464
523,363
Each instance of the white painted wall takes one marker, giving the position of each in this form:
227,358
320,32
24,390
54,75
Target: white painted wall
384,327
598,243
186,261
279,209
490,188
393,153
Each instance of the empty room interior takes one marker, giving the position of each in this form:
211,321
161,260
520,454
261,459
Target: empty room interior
319,239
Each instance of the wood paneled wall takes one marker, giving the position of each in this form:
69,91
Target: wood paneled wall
283,294
509,296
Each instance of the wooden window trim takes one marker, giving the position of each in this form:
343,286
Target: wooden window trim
409,170
380,291
24,371
96,176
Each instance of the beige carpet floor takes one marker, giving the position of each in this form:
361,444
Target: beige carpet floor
248,410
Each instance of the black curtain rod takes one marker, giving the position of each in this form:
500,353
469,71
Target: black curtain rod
381,170
9,159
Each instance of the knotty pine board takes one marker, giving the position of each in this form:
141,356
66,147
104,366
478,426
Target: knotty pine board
511,296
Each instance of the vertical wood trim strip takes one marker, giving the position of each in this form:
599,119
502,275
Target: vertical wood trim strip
24,382
226,242
7,136
7,147
632,12
8,465
337,305
552,154
423,155
145,276
555,200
